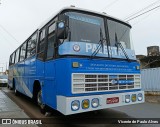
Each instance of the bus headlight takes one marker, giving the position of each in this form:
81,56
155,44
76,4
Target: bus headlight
75,105
140,97
85,104
95,102
134,98
127,98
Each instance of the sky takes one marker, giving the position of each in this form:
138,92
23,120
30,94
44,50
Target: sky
20,18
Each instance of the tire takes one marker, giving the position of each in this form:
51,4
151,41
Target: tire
16,92
14,88
39,102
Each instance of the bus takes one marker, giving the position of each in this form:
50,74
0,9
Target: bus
78,61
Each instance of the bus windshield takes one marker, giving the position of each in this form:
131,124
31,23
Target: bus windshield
85,28
113,35
118,32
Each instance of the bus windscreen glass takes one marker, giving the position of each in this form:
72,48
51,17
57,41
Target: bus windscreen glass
85,28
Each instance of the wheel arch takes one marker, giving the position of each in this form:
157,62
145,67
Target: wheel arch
36,88
13,83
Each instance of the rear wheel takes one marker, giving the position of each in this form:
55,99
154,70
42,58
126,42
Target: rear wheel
14,88
40,103
16,92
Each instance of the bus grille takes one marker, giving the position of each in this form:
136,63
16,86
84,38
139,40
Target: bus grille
85,83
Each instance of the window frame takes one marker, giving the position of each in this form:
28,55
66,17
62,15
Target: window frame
122,23
49,35
10,59
26,56
39,42
21,51
13,57
45,39
17,52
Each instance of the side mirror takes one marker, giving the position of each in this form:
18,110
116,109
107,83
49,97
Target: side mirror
62,27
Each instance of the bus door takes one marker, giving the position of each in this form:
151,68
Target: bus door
49,83
41,55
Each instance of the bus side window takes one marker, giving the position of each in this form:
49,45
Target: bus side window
23,52
13,58
41,47
31,46
10,60
17,56
51,40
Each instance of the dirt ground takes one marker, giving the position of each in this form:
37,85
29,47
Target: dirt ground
152,98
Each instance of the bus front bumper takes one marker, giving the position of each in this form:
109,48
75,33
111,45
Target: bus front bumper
73,105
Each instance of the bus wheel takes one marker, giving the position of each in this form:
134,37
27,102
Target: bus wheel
39,101
16,92
14,88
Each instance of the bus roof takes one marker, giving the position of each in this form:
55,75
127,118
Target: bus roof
80,9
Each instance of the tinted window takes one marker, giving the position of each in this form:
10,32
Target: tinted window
13,57
10,60
31,46
50,49
41,48
51,40
52,28
23,52
42,35
17,56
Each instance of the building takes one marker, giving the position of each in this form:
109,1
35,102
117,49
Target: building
152,60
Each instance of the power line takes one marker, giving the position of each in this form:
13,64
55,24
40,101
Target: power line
131,15
1,34
9,33
110,4
143,13
141,20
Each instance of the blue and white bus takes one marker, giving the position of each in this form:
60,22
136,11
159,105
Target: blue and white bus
78,61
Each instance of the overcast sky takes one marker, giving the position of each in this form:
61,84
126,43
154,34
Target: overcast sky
21,18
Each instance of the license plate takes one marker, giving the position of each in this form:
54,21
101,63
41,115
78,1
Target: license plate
112,100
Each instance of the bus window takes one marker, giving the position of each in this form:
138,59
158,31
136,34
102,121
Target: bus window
13,58
119,32
10,60
41,48
23,52
51,41
31,47
17,56
52,28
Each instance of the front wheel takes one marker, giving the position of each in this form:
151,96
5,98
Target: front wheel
40,103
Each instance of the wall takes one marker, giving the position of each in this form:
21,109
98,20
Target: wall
150,79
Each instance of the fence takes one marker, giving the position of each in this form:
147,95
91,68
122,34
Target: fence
150,79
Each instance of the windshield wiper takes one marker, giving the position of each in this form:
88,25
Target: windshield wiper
100,45
118,44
